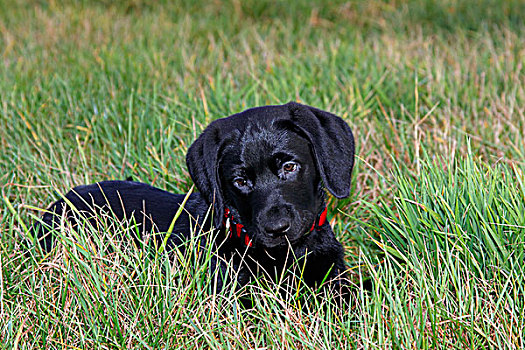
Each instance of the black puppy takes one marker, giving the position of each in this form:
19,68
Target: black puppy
264,171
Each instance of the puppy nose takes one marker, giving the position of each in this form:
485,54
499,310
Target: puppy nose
277,228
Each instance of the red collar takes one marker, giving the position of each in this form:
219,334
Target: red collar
240,232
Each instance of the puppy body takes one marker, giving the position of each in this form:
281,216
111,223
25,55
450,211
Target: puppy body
264,172
148,207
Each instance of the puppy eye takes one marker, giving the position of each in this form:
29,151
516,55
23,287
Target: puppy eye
290,167
240,182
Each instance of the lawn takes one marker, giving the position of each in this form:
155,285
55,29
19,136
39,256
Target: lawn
434,92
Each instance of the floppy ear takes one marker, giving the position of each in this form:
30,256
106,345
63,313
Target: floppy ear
202,162
332,143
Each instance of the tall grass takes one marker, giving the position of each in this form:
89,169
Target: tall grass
96,90
453,245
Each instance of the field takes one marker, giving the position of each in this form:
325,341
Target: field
433,90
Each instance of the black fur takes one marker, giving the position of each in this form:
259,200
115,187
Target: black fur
269,166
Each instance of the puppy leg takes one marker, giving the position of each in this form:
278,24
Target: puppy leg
43,231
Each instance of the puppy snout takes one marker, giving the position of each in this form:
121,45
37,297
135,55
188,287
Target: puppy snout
277,228
277,220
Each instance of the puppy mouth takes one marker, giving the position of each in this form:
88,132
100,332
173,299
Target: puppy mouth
281,234
297,229
290,237
276,242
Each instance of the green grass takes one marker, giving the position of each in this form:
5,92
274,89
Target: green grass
454,248
433,90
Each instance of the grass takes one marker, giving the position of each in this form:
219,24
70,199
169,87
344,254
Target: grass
457,250
433,90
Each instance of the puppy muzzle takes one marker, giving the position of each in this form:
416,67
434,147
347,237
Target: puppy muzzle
277,230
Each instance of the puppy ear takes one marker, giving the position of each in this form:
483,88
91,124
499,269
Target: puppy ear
332,143
202,162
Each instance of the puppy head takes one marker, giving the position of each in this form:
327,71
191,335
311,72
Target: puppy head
268,165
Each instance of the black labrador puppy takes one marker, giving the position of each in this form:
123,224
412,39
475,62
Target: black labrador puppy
264,172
